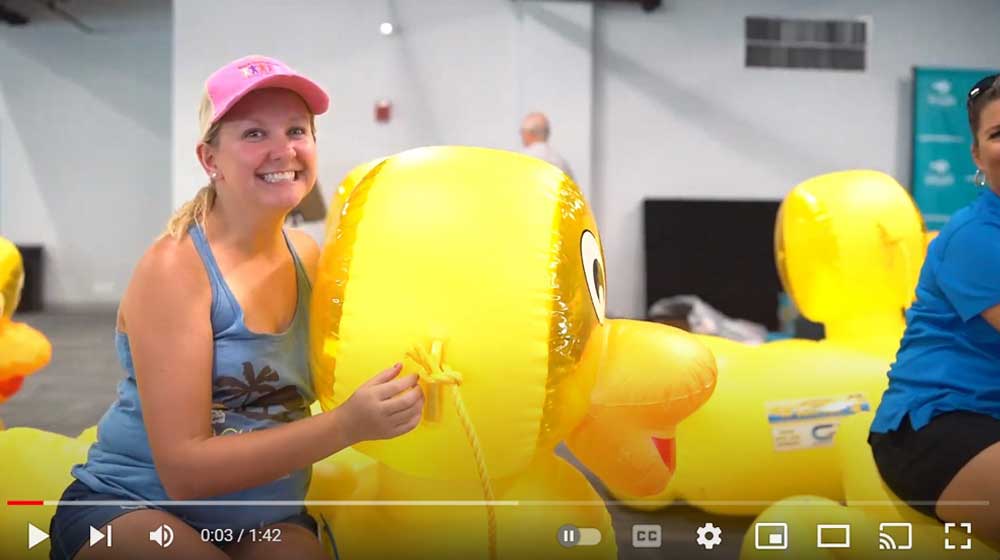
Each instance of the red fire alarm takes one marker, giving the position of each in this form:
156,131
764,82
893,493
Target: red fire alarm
383,110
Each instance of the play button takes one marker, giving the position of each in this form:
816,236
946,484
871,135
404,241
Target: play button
35,536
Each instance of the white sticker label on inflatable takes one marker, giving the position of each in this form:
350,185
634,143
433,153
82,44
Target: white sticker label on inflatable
809,423
804,435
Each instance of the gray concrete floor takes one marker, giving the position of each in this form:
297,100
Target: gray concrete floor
73,392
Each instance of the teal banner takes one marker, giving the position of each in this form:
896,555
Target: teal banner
943,170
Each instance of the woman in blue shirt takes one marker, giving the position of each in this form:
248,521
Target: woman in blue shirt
936,435
212,335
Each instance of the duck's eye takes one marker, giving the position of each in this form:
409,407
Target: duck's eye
593,270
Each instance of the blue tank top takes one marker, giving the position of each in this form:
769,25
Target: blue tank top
258,381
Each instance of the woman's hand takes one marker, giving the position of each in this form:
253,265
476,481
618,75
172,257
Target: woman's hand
383,407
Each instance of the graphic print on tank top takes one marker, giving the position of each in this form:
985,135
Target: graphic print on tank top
238,401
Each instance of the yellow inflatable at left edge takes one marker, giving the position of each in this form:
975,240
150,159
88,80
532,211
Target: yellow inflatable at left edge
34,465
483,271
23,350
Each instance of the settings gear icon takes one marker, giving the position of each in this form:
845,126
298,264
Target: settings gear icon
709,536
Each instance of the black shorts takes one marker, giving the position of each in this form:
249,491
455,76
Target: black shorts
918,465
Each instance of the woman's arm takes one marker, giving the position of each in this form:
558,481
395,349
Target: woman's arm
166,308
992,316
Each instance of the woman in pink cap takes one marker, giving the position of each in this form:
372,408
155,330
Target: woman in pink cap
212,334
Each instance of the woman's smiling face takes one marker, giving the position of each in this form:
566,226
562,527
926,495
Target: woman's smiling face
266,150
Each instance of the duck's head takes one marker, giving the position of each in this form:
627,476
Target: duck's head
488,259
11,279
849,246
23,350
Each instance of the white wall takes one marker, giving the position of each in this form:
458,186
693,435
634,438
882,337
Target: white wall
643,105
554,61
84,141
677,114
457,72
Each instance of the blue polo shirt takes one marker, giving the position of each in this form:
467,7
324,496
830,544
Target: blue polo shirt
949,358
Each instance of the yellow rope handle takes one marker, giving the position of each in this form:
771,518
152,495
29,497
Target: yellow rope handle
434,371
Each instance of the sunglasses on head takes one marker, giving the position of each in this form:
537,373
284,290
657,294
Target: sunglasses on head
981,86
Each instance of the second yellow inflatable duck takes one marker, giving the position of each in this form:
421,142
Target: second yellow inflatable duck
849,247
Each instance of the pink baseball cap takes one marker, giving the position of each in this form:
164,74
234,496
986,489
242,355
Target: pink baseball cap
227,85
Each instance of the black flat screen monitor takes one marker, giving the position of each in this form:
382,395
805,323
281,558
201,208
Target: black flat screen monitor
719,250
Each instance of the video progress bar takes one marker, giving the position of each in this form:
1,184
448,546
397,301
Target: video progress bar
482,503
280,503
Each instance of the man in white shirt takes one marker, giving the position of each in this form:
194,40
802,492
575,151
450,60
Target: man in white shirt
535,137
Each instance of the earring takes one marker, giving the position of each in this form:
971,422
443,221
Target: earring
980,178
213,175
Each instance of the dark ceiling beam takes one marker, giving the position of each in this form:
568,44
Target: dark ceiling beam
12,17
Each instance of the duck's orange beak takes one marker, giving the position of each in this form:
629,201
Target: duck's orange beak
23,350
650,377
10,386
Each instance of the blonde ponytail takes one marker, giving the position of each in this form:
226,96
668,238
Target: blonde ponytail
192,212
196,210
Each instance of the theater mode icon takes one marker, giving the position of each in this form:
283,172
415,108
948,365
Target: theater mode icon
834,535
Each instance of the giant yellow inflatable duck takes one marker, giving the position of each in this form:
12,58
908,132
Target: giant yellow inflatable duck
849,247
483,271
23,350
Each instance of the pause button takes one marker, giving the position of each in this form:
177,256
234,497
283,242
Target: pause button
571,535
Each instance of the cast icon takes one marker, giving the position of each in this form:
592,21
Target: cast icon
895,536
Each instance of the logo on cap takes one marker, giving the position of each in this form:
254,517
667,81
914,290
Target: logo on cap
255,69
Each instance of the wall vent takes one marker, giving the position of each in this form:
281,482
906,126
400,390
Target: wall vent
806,43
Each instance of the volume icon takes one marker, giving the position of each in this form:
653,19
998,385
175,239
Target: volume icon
163,536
